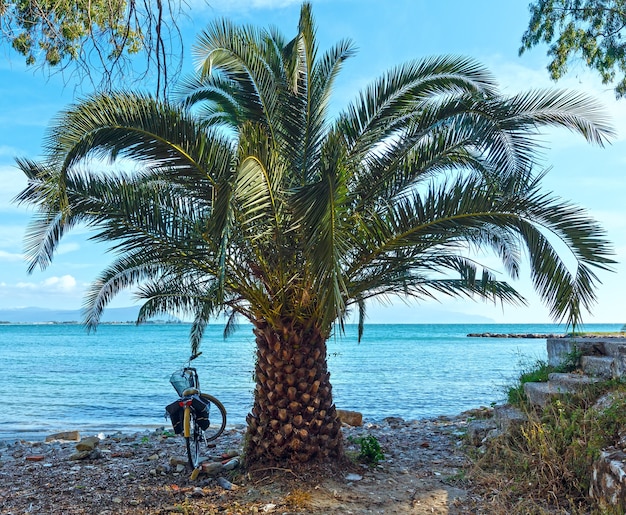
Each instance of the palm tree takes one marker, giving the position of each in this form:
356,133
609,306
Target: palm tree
248,199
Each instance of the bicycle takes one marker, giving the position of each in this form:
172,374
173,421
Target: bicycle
190,413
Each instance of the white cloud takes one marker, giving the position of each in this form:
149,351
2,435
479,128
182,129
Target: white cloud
10,256
13,181
11,236
66,248
51,285
61,292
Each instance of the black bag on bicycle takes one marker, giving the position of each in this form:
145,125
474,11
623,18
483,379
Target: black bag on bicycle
201,409
176,414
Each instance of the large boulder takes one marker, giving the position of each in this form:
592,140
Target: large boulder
608,479
352,418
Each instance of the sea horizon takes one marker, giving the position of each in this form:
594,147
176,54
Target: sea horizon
617,325
117,379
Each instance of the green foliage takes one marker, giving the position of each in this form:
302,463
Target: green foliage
100,39
592,30
549,457
59,28
571,361
370,452
250,199
538,372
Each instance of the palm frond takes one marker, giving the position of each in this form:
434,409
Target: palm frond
124,273
402,90
243,197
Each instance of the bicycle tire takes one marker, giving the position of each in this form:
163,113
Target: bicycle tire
217,420
193,441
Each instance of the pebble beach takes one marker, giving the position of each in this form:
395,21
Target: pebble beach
146,472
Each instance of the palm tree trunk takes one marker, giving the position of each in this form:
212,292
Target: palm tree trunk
293,419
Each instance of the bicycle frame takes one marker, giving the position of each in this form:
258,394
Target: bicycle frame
186,400
195,407
186,405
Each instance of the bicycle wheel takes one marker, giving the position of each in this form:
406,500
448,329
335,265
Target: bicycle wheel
217,417
193,441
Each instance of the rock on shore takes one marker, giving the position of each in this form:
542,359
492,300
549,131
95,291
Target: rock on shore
515,335
147,473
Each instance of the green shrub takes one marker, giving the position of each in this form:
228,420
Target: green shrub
370,452
538,372
546,462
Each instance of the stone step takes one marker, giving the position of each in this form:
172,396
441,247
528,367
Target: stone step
541,394
506,417
617,350
571,382
559,348
597,366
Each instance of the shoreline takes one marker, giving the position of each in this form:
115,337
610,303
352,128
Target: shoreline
146,474
545,336
517,335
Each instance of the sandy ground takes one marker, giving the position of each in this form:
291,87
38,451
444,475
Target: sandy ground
423,472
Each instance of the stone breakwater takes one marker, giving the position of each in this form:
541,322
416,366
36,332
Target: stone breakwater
515,335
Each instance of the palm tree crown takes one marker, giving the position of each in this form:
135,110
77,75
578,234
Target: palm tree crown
250,199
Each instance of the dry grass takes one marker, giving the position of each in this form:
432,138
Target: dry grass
544,465
298,499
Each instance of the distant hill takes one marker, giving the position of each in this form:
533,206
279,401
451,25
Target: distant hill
42,315
401,314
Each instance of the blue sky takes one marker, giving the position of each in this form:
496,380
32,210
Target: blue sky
386,34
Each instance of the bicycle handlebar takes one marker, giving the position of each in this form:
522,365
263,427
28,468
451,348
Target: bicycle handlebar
194,356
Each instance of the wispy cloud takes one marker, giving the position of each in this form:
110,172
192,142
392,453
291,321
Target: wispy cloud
13,181
10,256
66,248
11,236
230,6
63,284
62,292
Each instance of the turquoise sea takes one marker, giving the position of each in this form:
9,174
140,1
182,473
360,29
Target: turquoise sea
57,377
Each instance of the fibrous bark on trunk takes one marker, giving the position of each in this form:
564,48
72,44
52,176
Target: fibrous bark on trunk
293,419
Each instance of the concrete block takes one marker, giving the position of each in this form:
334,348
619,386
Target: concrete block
570,383
540,394
507,417
597,366
615,347
559,348
617,350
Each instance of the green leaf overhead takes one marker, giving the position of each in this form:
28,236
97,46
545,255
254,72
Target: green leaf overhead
246,197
